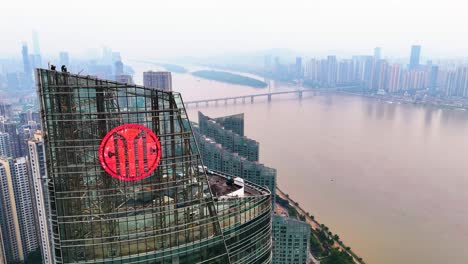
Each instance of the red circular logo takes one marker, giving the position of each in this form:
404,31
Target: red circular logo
130,152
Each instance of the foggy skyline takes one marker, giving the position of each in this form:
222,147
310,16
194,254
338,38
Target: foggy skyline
168,29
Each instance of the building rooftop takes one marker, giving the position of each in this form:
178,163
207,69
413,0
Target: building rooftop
221,188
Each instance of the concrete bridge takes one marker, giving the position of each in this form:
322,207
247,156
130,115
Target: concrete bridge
251,98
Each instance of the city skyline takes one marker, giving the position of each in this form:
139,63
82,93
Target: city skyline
312,28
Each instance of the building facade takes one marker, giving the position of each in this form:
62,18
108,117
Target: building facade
158,80
232,141
39,185
5,147
126,183
2,250
226,150
291,241
18,227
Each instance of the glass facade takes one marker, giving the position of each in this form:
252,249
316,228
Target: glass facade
170,216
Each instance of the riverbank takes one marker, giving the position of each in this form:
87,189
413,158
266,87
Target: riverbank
431,102
228,77
321,232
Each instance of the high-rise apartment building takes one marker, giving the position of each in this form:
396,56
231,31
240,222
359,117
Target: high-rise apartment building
6,110
27,67
2,250
228,138
235,123
17,219
415,56
5,148
118,68
332,68
124,78
127,185
41,195
298,68
222,149
14,139
291,241
158,80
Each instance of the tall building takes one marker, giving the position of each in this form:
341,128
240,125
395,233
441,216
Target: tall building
222,149
235,123
124,78
2,250
64,58
377,53
228,138
433,75
16,210
41,195
27,68
291,241
6,110
5,148
394,78
415,56
158,80
127,185
298,68
118,68
332,68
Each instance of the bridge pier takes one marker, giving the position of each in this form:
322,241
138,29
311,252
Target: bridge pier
235,100
216,102
300,94
225,101
243,100
251,99
206,103
269,97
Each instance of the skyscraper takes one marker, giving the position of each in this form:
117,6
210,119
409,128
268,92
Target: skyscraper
415,56
2,250
41,195
27,69
118,68
332,68
298,67
64,58
124,78
377,53
16,211
5,147
234,142
127,185
158,80
291,241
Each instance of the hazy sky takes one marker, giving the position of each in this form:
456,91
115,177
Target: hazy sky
159,29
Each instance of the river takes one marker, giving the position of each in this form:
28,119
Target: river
390,179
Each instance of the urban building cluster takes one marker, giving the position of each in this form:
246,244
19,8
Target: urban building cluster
19,77
224,147
18,189
374,73
58,200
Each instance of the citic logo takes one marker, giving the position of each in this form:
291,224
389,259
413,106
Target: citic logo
130,152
